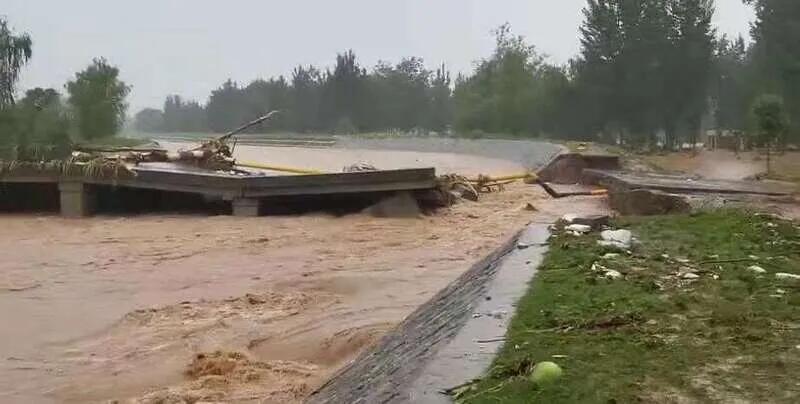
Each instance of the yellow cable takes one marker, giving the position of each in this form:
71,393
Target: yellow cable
271,167
503,178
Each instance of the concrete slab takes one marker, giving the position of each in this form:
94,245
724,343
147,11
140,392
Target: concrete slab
243,189
621,181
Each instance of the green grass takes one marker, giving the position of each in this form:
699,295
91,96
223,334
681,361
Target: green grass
653,336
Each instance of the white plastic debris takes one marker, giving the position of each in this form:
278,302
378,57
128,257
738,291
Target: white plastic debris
682,260
597,267
610,256
756,269
621,239
785,276
612,274
691,275
753,257
579,228
569,217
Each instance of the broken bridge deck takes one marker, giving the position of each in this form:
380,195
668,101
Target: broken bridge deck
244,191
628,180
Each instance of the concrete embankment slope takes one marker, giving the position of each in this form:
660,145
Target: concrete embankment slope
449,340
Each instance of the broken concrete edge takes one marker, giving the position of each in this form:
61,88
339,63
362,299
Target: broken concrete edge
392,365
568,167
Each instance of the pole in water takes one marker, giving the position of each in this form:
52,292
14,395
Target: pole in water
249,125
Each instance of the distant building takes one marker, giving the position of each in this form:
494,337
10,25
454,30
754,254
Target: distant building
725,140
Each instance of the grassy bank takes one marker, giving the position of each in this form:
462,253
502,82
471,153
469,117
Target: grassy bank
656,335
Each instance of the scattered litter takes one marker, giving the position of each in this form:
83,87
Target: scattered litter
612,274
578,228
780,291
691,275
569,218
359,168
597,267
682,260
498,314
753,257
756,269
559,356
786,276
665,256
772,225
610,256
490,340
594,221
621,239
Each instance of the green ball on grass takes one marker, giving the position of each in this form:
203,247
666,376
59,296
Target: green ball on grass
545,373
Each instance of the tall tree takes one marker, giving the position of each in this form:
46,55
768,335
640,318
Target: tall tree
508,92
15,51
306,97
440,114
732,87
97,96
646,65
344,97
777,51
226,108
149,120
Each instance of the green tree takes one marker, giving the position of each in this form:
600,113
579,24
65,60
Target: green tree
732,86
514,91
777,52
440,96
645,67
771,122
226,108
344,95
149,120
15,51
306,85
97,97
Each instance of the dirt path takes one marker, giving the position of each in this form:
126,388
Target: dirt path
717,164
117,308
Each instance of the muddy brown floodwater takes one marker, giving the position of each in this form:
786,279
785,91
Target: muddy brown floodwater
173,308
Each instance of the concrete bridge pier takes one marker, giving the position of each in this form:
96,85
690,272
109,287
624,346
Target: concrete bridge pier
77,199
246,207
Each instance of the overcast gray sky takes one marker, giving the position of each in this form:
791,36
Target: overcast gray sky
190,47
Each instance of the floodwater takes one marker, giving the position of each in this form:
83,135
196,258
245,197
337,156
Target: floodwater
335,159
117,308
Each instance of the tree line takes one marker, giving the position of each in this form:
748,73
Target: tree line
43,124
345,99
649,73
